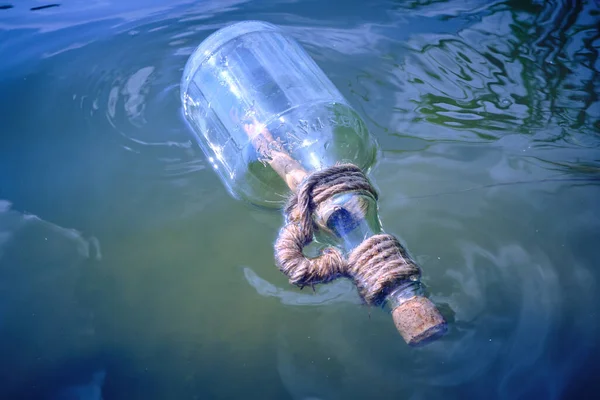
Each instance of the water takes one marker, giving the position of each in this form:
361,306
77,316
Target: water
127,271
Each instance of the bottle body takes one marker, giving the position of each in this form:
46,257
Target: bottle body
251,77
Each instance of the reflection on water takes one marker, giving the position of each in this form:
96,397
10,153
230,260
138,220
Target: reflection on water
338,291
126,271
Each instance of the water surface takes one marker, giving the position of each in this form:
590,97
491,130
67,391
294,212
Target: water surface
127,271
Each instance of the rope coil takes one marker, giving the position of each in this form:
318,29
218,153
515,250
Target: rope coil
377,266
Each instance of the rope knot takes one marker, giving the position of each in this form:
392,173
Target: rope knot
376,266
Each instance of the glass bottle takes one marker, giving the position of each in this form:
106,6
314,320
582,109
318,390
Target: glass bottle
266,115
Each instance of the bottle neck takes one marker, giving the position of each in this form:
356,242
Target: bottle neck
345,221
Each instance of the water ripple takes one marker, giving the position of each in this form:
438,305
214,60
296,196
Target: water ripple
341,291
516,69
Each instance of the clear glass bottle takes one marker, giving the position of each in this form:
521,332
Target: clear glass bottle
248,90
251,74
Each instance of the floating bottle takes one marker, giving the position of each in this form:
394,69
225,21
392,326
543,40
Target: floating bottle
266,117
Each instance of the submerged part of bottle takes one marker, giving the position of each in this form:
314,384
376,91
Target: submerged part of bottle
250,78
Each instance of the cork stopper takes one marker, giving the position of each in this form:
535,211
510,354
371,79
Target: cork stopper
418,321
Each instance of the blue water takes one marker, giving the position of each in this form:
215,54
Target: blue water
128,272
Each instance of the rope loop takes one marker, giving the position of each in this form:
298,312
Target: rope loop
377,266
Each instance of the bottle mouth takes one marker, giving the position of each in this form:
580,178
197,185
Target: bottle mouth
209,46
403,293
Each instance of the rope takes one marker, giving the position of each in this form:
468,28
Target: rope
377,266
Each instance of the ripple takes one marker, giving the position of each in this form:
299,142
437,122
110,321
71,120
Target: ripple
510,84
340,291
444,9
41,267
137,105
512,69
12,223
127,85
